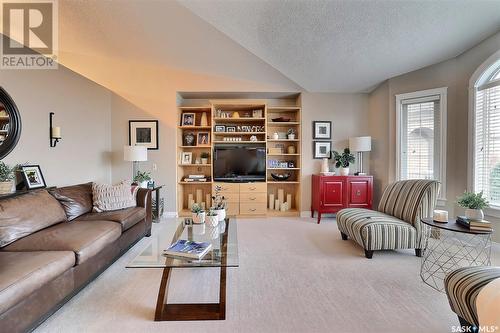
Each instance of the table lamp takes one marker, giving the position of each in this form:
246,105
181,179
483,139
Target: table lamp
360,144
135,154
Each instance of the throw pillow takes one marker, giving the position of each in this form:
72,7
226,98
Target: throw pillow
76,199
112,197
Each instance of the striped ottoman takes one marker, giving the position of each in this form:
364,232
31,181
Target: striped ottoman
396,224
462,287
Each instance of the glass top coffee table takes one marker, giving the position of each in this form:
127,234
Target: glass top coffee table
224,253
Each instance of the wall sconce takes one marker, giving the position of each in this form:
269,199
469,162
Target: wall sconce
54,132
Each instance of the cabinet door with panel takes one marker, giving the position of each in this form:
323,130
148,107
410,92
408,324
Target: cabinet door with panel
359,192
332,193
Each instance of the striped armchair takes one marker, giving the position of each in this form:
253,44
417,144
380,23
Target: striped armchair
463,286
396,224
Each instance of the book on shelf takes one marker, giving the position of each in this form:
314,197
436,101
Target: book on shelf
188,249
195,180
479,225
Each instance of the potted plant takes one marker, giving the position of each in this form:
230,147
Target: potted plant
212,218
219,203
198,214
474,203
6,177
204,157
291,134
343,160
142,178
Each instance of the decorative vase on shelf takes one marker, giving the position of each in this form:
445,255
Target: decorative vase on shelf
221,214
6,187
204,120
344,171
276,136
324,166
474,214
291,136
291,149
144,184
204,160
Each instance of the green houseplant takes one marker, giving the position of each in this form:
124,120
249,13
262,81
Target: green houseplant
474,203
204,157
343,161
198,214
219,203
7,174
142,178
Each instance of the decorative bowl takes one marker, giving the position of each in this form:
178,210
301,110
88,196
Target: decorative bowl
280,176
281,120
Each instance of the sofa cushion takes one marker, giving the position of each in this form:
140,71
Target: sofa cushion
85,238
22,273
76,200
375,230
112,197
25,214
127,217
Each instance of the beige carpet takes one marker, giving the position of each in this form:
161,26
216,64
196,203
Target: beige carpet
294,276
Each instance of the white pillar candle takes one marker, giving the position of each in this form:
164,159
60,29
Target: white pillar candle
440,216
281,196
289,201
271,201
276,204
199,195
56,132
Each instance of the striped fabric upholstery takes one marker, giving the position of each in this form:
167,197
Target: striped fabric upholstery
462,287
397,223
376,231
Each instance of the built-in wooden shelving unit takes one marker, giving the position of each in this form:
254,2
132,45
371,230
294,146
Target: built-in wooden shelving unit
243,121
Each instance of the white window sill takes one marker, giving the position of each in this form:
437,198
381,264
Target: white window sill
492,211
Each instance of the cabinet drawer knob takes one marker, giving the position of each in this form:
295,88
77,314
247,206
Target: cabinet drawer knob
252,198
358,193
253,209
253,188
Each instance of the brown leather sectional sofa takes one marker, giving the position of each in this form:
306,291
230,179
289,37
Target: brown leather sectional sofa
52,245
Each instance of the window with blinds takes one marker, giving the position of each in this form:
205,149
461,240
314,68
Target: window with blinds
487,139
421,135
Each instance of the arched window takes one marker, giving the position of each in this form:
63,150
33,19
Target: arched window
485,117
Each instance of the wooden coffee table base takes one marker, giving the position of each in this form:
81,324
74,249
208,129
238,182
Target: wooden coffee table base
195,311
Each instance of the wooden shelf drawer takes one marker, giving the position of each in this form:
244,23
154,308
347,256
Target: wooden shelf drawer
257,208
253,187
249,197
227,187
232,209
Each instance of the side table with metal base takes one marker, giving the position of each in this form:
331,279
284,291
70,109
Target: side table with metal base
448,246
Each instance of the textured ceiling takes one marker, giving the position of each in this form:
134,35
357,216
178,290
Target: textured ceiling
351,46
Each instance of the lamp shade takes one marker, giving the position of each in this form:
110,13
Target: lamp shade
135,153
360,143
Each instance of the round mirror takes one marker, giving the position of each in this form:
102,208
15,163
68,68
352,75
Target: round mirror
10,124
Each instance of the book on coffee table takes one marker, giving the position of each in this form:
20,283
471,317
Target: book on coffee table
188,249
480,225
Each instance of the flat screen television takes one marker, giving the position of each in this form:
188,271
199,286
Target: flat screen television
239,163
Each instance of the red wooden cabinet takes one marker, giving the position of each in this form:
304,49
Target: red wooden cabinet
333,193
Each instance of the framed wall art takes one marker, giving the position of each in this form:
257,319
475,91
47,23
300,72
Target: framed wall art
143,133
322,130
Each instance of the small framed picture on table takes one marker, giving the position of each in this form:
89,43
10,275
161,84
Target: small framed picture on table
33,177
322,149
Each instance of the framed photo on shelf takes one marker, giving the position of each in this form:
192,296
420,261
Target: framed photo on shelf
33,177
220,128
230,128
143,133
188,119
322,149
186,157
322,130
203,139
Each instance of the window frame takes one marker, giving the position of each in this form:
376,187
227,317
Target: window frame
442,92
480,77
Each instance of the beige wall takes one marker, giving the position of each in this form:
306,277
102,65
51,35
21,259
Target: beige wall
454,74
349,116
82,110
